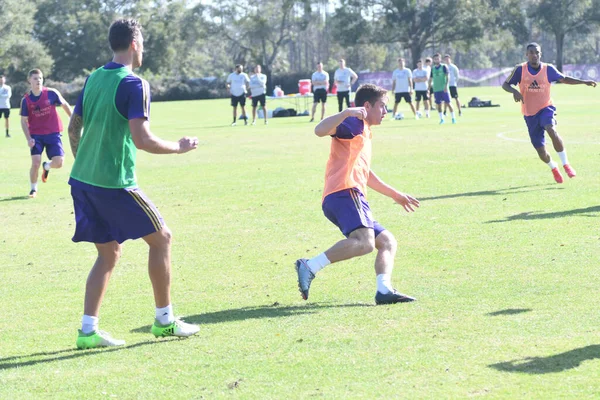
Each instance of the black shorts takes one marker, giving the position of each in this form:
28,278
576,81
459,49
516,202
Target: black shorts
5,112
241,100
320,95
453,92
405,95
422,95
259,99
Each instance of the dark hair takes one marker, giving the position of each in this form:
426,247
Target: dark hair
238,65
447,55
533,44
437,55
420,60
428,59
35,71
401,59
368,93
122,33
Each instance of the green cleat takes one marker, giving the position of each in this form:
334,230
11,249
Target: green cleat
175,328
96,339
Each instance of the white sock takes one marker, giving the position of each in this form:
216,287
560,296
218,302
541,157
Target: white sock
165,315
384,283
427,113
452,114
317,263
47,166
563,157
552,164
89,324
34,186
441,115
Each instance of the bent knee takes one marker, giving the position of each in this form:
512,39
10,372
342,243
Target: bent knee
58,162
367,245
386,241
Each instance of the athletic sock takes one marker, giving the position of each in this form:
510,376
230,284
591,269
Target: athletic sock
34,186
441,115
384,283
552,164
563,157
89,324
427,113
47,166
317,263
165,315
452,114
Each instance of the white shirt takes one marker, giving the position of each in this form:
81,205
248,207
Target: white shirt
401,78
344,75
238,83
421,73
320,77
5,94
452,75
258,84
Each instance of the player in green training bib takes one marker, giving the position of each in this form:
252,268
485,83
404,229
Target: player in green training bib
439,83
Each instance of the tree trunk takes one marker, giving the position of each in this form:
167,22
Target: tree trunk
416,49
560,41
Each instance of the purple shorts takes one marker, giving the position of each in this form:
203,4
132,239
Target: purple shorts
536,124
51,142
441,97
348,210
103,215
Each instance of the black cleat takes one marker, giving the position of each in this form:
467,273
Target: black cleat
392,297
32,194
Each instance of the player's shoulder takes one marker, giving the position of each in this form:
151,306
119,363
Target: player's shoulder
53,90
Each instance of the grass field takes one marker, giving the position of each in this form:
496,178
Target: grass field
503,262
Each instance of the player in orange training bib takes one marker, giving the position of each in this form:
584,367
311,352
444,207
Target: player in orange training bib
534,80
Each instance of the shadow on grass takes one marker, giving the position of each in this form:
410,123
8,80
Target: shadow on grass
509,311
258,312
584,212
551,364
498,192
67,354
15,198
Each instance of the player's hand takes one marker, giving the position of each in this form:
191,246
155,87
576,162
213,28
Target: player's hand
187,144
446,90
408,202
31,143
590,83
518,97
358,112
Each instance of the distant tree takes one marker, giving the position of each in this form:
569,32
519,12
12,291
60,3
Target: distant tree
564,17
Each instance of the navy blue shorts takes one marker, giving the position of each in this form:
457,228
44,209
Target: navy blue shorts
51,143
348,210
441,97
103,215
536,124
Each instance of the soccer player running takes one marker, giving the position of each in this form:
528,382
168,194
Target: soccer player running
421,79
344,78
453,74
347,176
42,127
5,95
113,109
237,83
439,82
320,84
258,89
402,86
534,80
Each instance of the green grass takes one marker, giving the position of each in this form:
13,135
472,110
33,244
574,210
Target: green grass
503,261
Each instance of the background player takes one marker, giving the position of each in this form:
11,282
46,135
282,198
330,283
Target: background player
534,79
347,176
428,65
439,83
114,108
42,127
453,75
402,86
258,89
344,79
5,95
421,79
320,84
237,83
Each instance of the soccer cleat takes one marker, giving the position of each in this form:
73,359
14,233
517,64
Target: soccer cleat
441,121
312,120
557,176
453,120
7,134
234,124
570,171
253,122
266,122
392,297
305,277
33,193
245,121
416,116
459,113
96,339
175,328
45,172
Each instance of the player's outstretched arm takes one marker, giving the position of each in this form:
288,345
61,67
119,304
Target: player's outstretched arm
574,81
145,140
75,129
328,125
408,202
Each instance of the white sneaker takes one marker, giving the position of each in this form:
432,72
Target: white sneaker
176,328
253,122
416,116
234,124
266,122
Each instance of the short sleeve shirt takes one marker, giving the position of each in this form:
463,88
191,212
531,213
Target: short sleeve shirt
238,83
401,77
344,75
320,77
421,73
452,75
5,94
553,74
53,97
258,84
